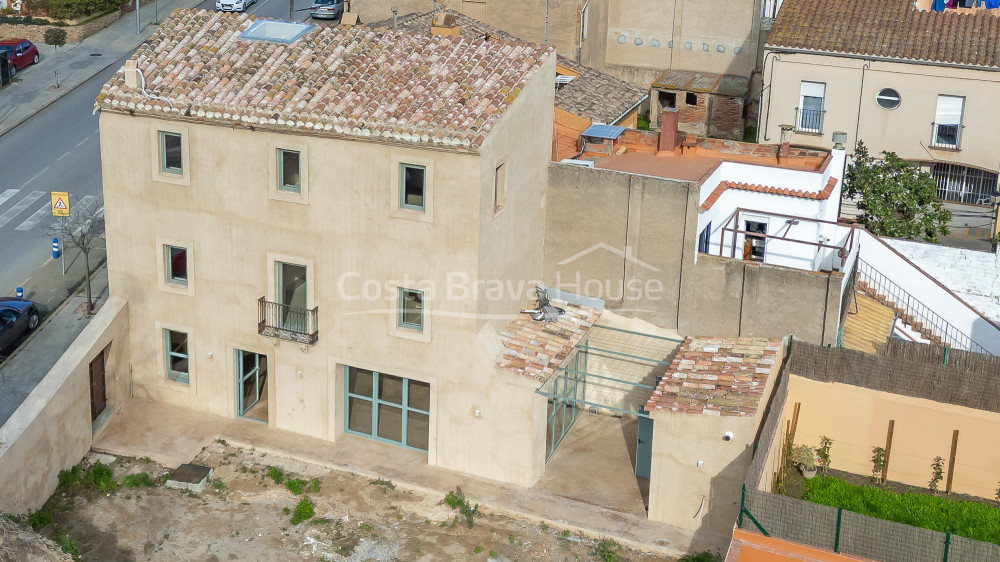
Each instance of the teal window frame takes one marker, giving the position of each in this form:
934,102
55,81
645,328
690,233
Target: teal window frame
282,186
177,376
401,318
375,402
172,277
402,188
164,166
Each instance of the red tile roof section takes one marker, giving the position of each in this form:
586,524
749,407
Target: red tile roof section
717,376
536,349
888,28
724,185
377,84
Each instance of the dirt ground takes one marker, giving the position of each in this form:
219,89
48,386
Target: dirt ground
244,515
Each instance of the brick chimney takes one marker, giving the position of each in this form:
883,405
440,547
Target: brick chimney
785,139
445,24
668,130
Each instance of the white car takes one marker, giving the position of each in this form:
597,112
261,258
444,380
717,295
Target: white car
233,5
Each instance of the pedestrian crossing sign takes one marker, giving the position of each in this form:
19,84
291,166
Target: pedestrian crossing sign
60,204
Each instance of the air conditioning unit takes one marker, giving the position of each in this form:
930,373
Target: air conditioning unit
574,162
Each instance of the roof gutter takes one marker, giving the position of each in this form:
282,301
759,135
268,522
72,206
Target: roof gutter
630,110
880,59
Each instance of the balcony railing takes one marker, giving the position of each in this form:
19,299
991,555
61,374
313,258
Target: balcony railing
946,136
276,320
809,120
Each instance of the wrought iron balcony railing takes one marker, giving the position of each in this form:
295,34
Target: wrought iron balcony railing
809,120
276,320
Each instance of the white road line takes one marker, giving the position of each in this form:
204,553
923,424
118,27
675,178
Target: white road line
81,142
7,195
35,218
34,177
20,207
63,156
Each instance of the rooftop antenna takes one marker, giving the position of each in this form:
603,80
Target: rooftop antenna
543,311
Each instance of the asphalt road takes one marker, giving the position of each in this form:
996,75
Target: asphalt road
58,150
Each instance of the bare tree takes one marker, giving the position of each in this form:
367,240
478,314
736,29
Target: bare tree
82,229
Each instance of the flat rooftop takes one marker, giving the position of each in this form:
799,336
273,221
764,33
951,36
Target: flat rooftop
376,84
720,376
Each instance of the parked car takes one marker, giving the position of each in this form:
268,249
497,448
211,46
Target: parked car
20,53
327,9
17,316
233,5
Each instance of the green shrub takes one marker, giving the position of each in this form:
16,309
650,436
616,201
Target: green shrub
38,520
295,486
101,477
605,551
303,511
456,500
71,9
28,20
315,484
138,480
71,479
967,519
276,474
703,556
68,546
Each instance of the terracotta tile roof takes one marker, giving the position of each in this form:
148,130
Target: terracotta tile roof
724,185
536,349
888,28
594,95
717,376
393,85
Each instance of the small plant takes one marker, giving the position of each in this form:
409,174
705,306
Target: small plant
456,500
218,485
101,477
303,511
287,510
477,550
295,486
138,480
823,453
703,556
69,546
878,464
510,539
565,534
71,479
384,483
937,473
222,442
494,554
605,551
38,520
804,457
276,474
315,484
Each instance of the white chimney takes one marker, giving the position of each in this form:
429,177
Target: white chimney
132,74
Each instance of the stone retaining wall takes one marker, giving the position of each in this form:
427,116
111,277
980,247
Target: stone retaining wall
74,34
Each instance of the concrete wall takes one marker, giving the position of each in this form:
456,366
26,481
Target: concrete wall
712,23
905,130
51,430
623,238
857,420
732,297
346,227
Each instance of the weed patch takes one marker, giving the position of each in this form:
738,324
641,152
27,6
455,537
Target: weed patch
456,500
276,474
100,477
38,520
138,480
605,551
303,511
295,486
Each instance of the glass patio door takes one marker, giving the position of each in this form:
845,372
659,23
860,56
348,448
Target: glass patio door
291,279
251,380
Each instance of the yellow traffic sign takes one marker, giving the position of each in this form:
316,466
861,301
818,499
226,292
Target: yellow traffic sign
60,204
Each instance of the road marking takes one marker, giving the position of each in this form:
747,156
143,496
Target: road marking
35,218
63,156
34,177
7,195
20,207
81,142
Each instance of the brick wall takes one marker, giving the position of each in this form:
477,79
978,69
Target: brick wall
741,148
726,118
639,141
692,118
74,34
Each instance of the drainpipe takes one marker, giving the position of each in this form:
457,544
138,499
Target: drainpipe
774,58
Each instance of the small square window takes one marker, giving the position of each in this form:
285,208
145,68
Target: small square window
411,193
500,187
667,99
691,98
178,368
411,309
171,158
177,266
289,175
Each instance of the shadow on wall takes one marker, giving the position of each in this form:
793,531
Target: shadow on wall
986,335
722,506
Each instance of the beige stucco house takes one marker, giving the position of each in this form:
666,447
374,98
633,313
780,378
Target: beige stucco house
303,218
915,82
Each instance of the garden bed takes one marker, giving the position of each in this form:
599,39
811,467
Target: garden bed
968,516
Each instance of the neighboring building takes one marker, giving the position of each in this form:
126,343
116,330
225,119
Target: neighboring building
290,209
708,105
584,96
640,39
918,83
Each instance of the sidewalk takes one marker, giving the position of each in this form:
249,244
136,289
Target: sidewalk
20,373
34,88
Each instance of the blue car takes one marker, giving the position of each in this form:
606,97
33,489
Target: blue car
17,317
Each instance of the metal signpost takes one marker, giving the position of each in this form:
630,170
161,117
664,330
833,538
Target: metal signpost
60,208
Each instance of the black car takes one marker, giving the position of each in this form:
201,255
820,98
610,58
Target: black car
17,317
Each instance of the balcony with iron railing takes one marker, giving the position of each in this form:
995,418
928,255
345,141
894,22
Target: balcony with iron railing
276,320
946,136
809,120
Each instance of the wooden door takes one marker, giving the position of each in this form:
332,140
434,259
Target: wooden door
98,397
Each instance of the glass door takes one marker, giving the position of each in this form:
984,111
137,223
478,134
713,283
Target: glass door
251,382
292,294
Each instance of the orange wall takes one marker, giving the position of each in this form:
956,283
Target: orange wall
751,547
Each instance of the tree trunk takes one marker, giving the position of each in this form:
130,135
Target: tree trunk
86,263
